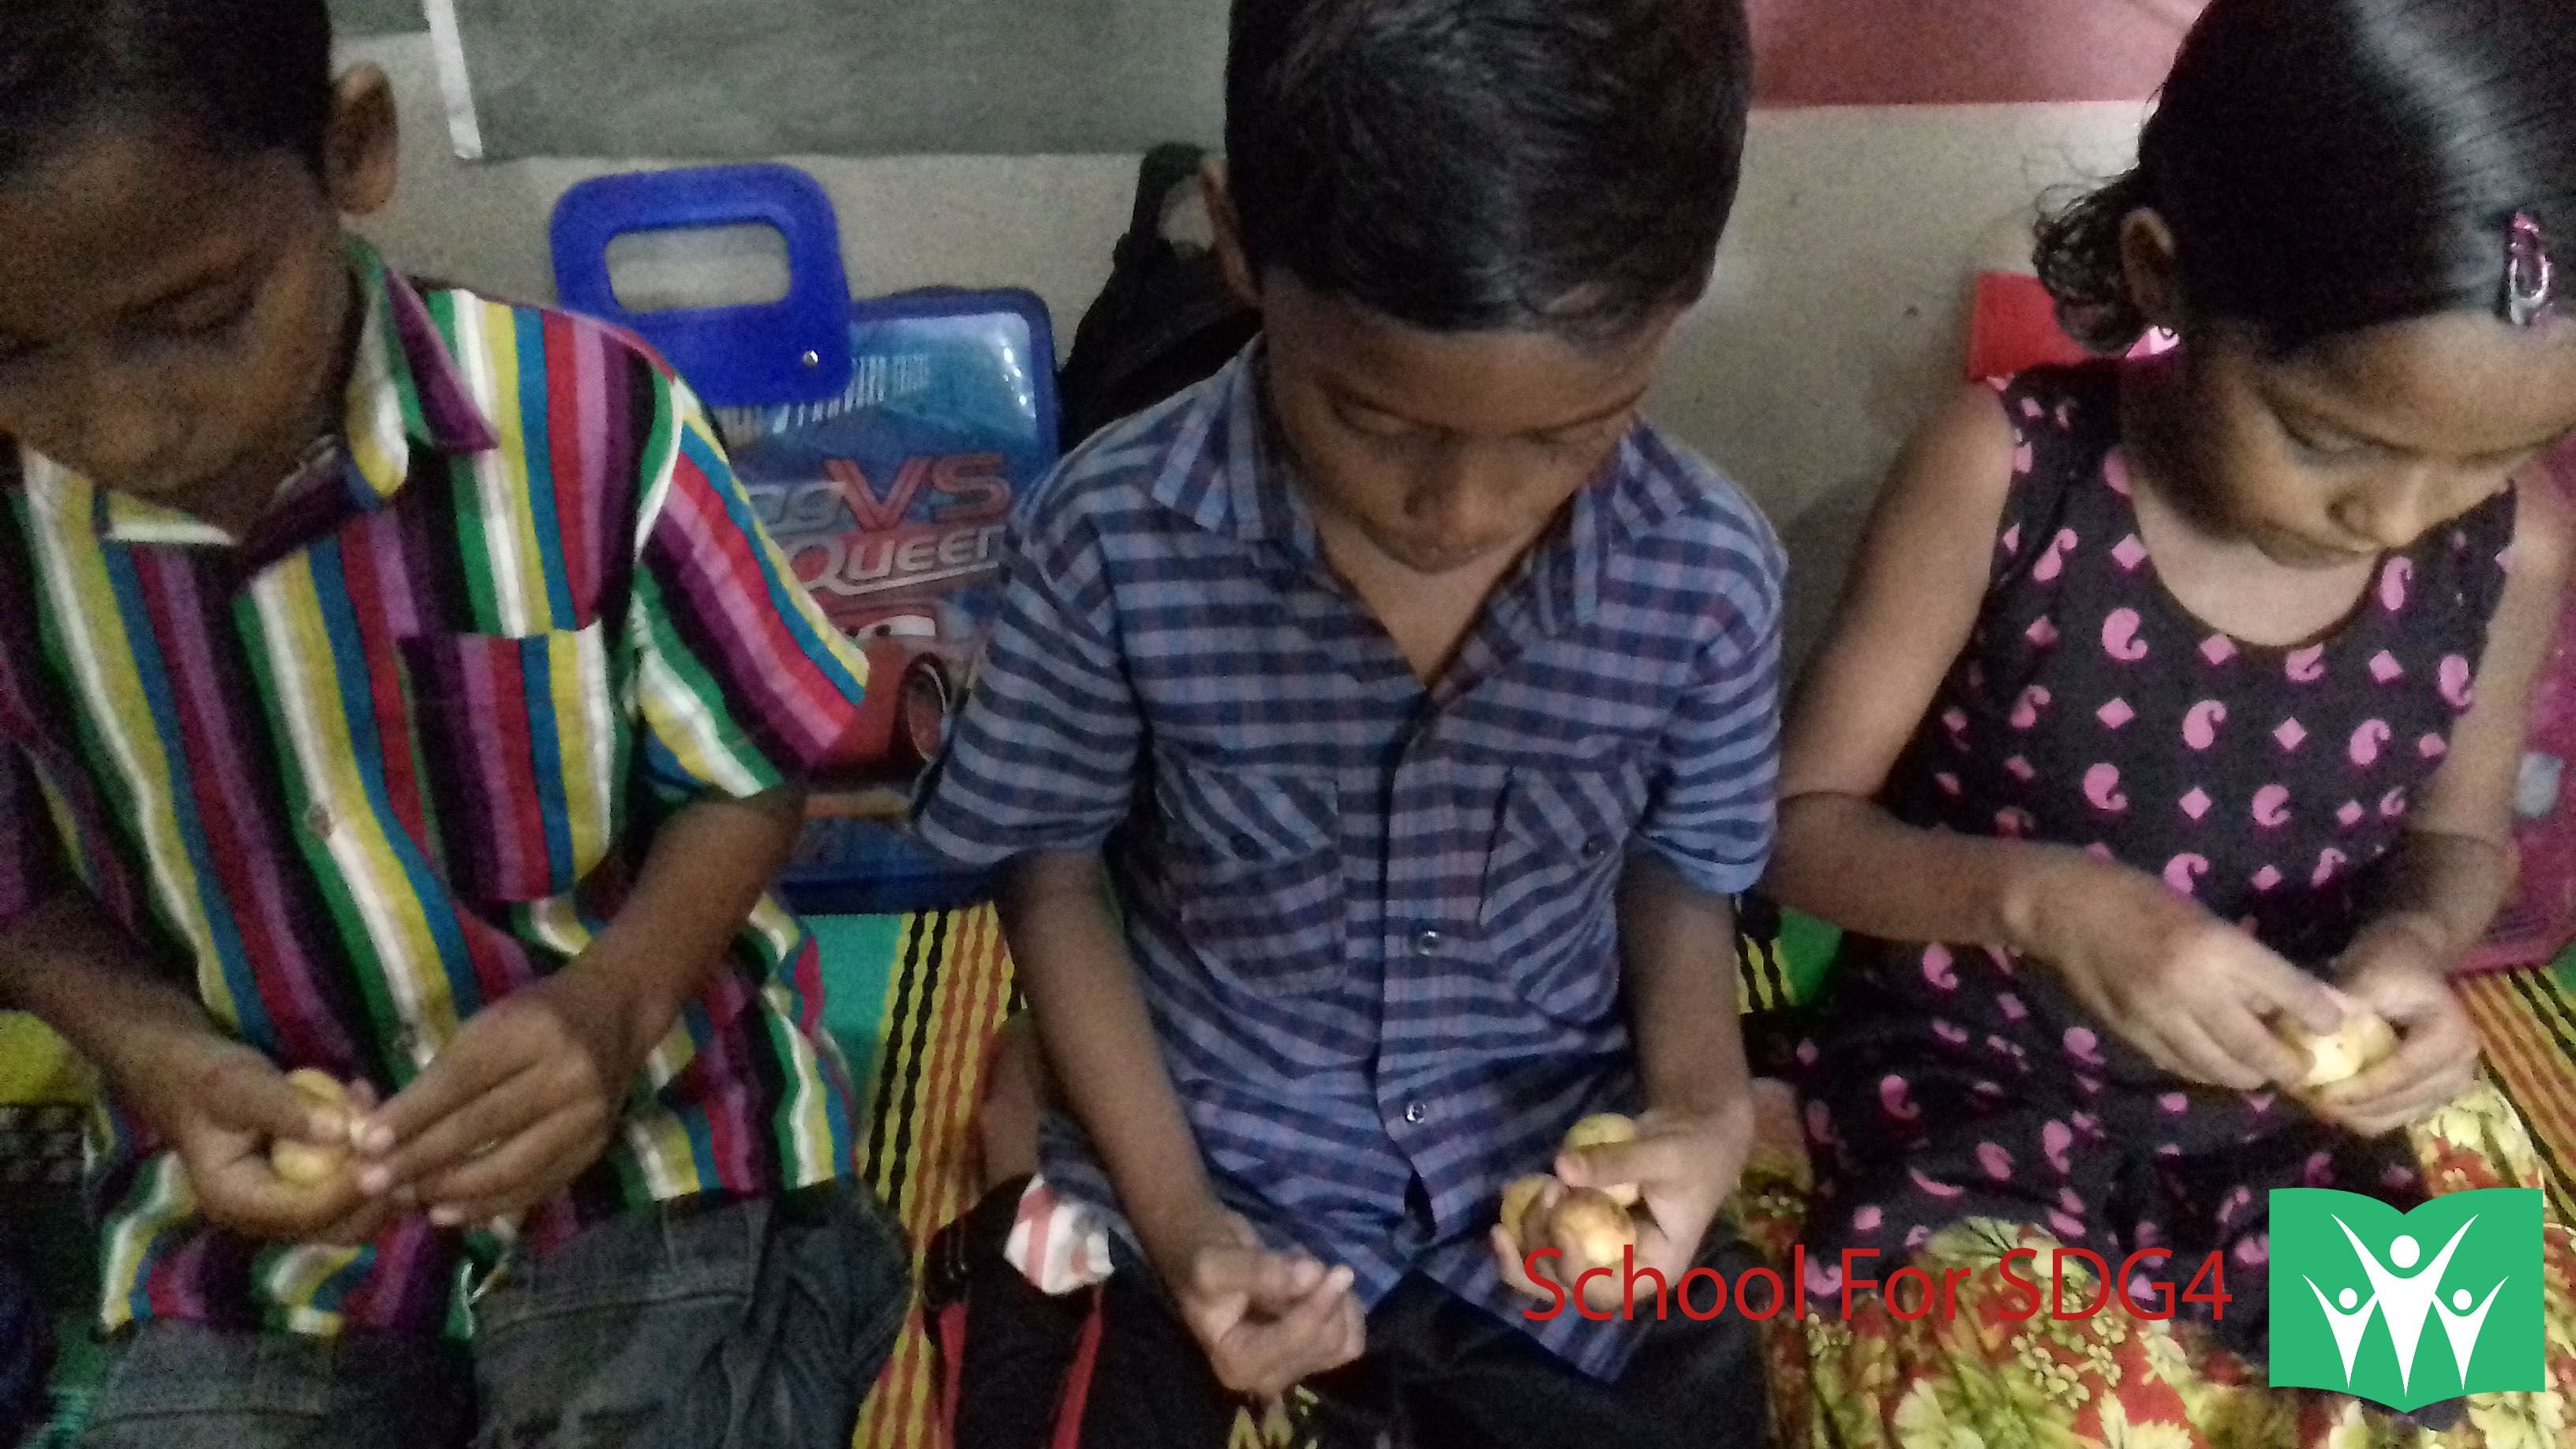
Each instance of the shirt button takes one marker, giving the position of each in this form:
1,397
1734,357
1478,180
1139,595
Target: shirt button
1414,1112
318,820
1427,944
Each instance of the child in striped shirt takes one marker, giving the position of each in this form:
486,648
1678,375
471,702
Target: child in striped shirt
396,688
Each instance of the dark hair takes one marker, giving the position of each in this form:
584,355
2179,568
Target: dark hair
2331,165
1487,165
242,75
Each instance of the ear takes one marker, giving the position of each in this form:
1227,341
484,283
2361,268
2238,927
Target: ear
2149,268
361,154
1215,185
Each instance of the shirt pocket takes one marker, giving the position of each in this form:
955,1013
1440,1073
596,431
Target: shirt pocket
1551,882
1255,863
525,752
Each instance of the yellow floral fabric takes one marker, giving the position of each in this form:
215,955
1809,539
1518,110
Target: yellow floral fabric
1981,1381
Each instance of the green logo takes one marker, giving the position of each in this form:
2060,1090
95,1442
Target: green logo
2406,1309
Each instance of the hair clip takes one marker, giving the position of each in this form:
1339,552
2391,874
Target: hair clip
2530,277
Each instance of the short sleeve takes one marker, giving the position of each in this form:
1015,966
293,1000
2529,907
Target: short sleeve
31,857
1044,755
1714,811
741,683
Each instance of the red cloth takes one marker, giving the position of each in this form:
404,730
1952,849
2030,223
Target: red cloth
1895,52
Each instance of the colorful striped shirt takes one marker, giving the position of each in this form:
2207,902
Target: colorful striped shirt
1373,921
400,752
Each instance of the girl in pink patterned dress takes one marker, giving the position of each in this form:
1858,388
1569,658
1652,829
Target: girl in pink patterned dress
2182,697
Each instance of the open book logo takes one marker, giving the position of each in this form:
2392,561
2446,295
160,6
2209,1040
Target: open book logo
2358,1288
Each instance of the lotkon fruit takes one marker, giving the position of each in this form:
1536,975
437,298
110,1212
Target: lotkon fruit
306,1164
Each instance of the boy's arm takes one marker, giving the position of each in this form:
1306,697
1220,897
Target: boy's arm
213,1100
1677,945
1041,768
1091,1019
1267,1319
527,1095
740,688
1704,837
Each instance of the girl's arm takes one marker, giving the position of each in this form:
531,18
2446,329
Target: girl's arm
2457,862
2186,989
1911,599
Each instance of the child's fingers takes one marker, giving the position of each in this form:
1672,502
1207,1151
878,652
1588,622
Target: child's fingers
2245,1040
2427,1070
2200,1055
490,1050
2289,991
1508,1262
1308,1337
1642,1160
254,1098
497,1114
362,1225
1272,1281
514,1173
1353,1337
245,1195
1268,1357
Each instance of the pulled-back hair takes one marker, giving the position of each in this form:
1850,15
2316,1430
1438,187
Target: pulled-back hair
2332,165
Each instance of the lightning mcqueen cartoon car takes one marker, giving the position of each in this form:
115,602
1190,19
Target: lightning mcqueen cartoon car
916,674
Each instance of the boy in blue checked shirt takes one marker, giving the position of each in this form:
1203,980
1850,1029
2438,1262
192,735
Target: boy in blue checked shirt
1418,704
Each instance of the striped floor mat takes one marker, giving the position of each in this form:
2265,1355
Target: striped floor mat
2528,1021
951,986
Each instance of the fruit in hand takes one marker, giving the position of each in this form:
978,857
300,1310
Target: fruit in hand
1605,1129
2346,1052
1592,1230
308,1164
1524,1194
1590,1226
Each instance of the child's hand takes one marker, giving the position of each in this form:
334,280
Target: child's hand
518,1105
2189,991
2398,972
1684,1164
220,1111
1268,1320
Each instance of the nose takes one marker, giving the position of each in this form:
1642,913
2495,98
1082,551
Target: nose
123,427
1445,500
2396,512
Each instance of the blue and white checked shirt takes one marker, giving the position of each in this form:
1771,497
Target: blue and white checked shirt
1373,921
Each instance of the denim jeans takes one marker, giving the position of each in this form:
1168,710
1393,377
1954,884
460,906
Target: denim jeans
758,1323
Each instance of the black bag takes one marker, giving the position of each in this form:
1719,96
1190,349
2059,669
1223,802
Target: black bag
1165,321
24,1354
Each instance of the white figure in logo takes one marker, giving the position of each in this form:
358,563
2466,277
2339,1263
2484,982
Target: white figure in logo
2405,1300
2462,1327
2349,1321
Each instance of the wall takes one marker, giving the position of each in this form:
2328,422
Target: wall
1835,323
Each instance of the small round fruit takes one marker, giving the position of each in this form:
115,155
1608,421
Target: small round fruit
1518,1199
2364,1039
307,1164
1592,1230
1605,1129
